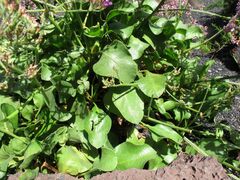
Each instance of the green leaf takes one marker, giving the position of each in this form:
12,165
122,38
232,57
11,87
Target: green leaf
151,3
27,112
156,163
97,125
62,116
134,138
194,32
137,47
29,174
5,158
46,73
157,25
129,104
116,62
5,125
125,31
133,156
108,160
18,146
72,161
50,98
165,132
170,154
94,32
8,110
152,85
38,100
60,136
31,153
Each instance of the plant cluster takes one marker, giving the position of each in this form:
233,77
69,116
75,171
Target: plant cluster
94,86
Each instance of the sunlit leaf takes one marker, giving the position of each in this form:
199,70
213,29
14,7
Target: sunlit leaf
72,161
165,132
152,85
107,161
133,156
116,62
128,103
97,125
137,47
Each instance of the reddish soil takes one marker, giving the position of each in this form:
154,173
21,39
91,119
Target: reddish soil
184,168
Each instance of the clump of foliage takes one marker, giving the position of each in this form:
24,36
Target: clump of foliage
88,87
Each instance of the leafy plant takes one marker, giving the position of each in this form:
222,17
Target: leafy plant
87,88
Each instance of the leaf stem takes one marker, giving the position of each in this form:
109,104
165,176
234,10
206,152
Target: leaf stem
167,124
44,3
122,85
198,11
194,146
204,42
181,102
230,166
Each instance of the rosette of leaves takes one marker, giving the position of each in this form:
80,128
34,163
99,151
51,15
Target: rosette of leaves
99,72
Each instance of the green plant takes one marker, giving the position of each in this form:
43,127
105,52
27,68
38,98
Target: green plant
93,88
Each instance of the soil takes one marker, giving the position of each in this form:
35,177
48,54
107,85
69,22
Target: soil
184,168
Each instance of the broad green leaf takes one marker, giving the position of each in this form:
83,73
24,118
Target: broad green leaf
181,114
60,136
133,156
97,125
167,151
129,104
94,32
125,31
108,160
6,126
50,98
72,161
5,158
27,112
152,85
137,47
46,73
151,3
124,8
38,100
31,153
134,137
149,41
165,132
156,163
194,32
180,34
29,174
107,99
11,112
62,116
79,136
18,146
157,25
116,62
